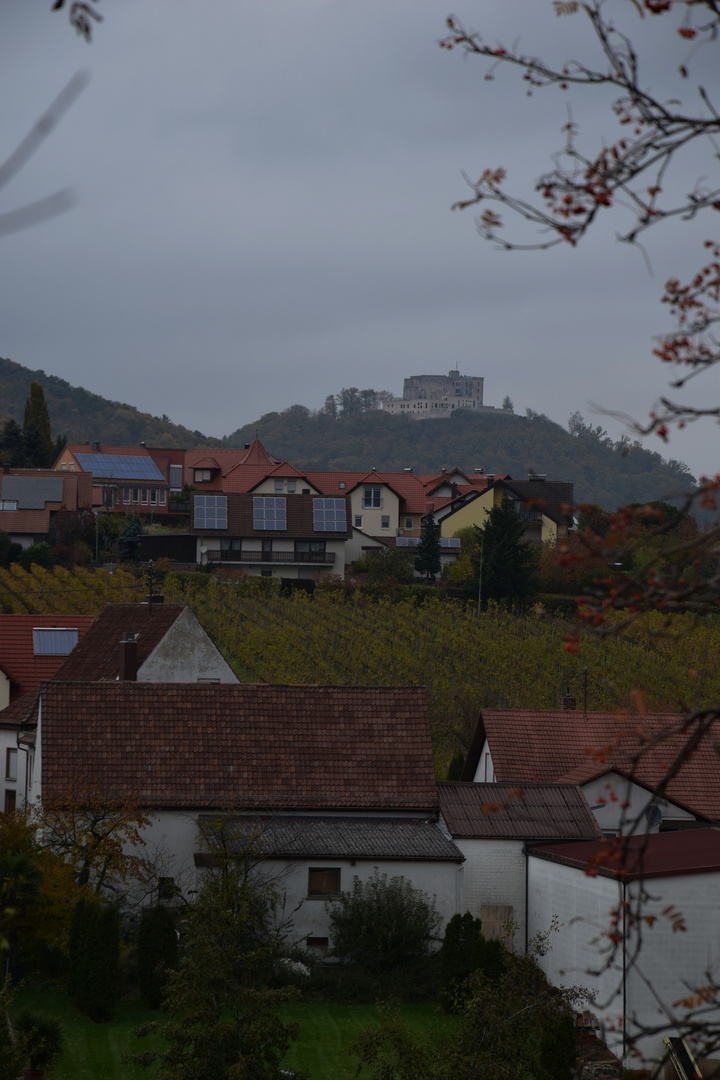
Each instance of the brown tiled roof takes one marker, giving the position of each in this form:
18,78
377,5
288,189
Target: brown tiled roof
552,497
17,655
696,851
97,656
76,491
509,811
36,522
21,712
533,746
299,520
173,744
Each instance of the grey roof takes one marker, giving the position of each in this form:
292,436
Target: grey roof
339,838
516,811
32,492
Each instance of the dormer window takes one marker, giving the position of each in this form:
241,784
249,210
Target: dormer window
202,476
372,498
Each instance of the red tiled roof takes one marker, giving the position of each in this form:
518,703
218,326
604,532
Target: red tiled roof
17,658
25,521
242,478
285,469
206,463
495,811
97,656
694,851
172,744
533,746
21,712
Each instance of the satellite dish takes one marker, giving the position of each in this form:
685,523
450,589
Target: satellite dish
653,814
203,550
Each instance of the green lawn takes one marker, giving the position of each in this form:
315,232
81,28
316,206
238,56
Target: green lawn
94,1051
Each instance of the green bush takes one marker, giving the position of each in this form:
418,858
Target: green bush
94,958
40,554
157,953
465,950
383,924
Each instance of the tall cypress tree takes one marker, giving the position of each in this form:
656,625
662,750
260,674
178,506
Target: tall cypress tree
427,560
39,447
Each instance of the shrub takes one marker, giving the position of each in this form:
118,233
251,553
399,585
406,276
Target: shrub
41,1037
464,951
382,924
157,952
94,957
36,553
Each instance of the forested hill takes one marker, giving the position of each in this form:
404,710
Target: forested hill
86,417
603,471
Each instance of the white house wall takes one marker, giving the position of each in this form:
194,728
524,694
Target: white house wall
670,961
485,771
494,873
185,654
614,817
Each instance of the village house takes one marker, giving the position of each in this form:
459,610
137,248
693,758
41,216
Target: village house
30,500
126,479
325,782
491,824
602,752
664,946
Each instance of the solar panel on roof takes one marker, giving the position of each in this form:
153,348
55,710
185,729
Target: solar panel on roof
329,515
210,512
32,492
120,467
269,512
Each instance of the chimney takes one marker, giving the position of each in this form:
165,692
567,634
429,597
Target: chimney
247,446
490,477
568,703
128,657
96,447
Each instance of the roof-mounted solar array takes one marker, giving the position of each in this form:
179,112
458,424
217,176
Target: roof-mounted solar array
32,492
329,515
120,467
54,640
269,512
210,512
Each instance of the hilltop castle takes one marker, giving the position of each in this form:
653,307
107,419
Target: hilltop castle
434,397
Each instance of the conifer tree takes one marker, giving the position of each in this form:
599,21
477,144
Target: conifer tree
157,952
129,540
39,448
427,560
509,563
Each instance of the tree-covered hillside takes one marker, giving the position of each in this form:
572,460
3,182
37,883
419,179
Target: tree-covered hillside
603,471
86,417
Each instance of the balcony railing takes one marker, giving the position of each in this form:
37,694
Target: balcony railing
271,556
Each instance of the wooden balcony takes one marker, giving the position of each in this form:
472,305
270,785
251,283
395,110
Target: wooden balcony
271,556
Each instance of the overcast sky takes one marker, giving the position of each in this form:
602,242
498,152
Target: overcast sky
263,192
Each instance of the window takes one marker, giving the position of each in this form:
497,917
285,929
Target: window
292,487
54,640
144,496
373,498
321,944
317,547
136,495
127,496
64,466
176,472
167,889
266,573
210,512
208,680
153,496
357,521
269,513
8,504
202,476
341,485
11,764
408,523
279,487
329,515
72,466
266,546
162,497
10,802
385,521
231,543
323,881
